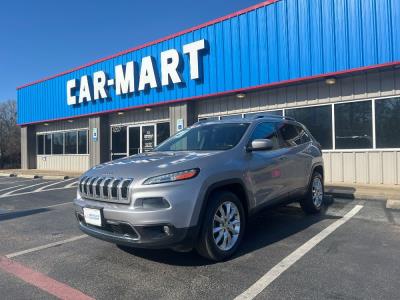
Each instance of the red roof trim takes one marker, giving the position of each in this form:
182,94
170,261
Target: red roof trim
265,3
268,85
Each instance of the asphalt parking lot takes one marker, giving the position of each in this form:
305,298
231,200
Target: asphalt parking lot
351,251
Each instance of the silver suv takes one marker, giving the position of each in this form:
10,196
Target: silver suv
198,188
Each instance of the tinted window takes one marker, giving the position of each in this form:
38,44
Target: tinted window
353,125
58,142
265,131
47,144
40,144
278,112
162,132
70,142
387,120
293,135
205,137
318,121
118,139
82,142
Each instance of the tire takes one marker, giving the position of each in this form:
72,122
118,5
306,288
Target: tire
313,201
218,246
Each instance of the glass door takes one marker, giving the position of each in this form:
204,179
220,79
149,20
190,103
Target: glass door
134,140
148,138
118,142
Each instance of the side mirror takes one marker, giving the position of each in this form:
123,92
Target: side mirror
260,144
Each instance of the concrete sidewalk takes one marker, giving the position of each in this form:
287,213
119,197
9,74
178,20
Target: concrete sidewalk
34,173
388,193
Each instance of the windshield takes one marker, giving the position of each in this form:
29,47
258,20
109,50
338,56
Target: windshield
206,137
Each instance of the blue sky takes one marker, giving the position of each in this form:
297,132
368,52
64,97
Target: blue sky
44,37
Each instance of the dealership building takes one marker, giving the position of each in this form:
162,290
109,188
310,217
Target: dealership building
333,65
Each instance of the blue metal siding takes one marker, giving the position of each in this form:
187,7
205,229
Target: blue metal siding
287,40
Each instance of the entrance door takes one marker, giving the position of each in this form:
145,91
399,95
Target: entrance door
118,142
131,140
148,138
134,140
141,138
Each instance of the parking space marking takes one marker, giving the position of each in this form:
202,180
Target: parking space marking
52,184
19,253
16,181
72,184
22,188
42,281
11,187
33,192
292,258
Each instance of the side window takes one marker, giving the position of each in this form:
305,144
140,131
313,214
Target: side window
303,135
293,135
265,131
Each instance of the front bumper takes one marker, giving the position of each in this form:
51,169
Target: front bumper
140,236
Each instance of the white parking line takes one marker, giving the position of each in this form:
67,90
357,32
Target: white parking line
16,181
72,184
52,184
19,253
33,192
11,187
292,258
23,188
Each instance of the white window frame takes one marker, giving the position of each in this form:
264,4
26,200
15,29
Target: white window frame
332,104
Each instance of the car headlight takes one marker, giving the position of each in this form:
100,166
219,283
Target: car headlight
171,177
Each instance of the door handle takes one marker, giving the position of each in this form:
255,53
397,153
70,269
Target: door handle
283,157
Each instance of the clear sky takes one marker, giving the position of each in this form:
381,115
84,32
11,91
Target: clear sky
44,37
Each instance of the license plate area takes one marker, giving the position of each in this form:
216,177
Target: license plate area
93,216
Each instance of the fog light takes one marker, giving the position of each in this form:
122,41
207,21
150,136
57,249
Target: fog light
167,230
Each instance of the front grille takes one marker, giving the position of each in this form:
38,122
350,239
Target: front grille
106,189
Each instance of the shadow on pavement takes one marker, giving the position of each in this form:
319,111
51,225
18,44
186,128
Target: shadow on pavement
20,214
265,228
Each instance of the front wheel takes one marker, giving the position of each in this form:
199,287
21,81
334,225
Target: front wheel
223,227
312,202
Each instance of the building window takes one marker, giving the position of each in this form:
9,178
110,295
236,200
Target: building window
278,112
163,132
40,144
118,137
318,120
58,143
387,119
353,125
71,142
82,142
47,144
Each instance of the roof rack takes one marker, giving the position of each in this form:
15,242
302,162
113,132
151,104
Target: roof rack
274,116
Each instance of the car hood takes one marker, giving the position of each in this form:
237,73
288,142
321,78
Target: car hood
150,164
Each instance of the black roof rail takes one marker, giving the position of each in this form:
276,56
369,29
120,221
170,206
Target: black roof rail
274,116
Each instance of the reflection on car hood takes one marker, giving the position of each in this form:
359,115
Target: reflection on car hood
150,164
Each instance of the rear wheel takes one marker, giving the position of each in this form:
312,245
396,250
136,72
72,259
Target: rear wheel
313,201
223,227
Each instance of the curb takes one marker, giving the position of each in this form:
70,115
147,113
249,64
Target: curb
28,176
8,175
357,196
62,177
393,204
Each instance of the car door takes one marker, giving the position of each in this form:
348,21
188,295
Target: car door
295,160
265,167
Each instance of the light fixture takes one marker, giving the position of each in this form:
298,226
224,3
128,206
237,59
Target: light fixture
70,121
330,81
46,124
120,113
240,95
147,109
